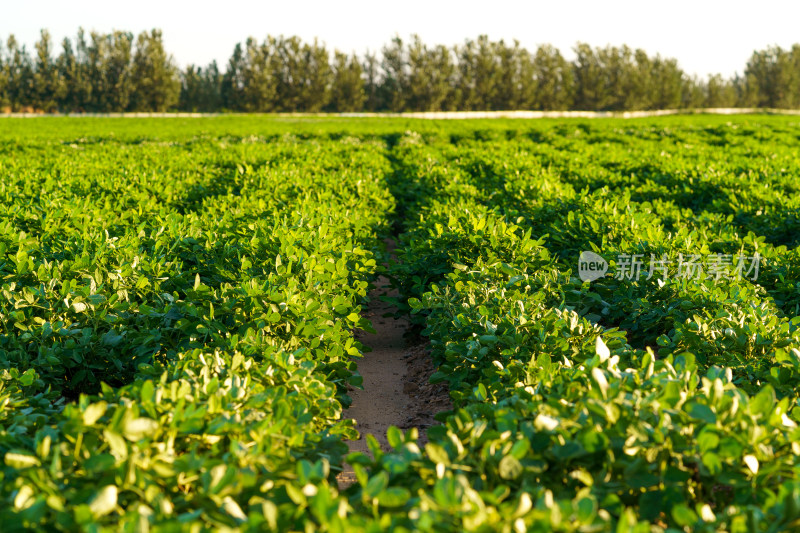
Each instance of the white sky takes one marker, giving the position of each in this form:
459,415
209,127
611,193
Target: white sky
705,36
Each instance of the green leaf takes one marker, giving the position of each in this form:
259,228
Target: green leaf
510,467
600,378
232,508
376,485
520,448
764,402
21,459
116,443
104,502
586,510
752,463
683,515
702,412
394,497
708,440
93,412
602,350
712,462
394,436
138,428
437,453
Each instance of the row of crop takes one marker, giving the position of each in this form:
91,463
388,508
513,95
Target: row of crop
561,425
214,283
714,318
217,301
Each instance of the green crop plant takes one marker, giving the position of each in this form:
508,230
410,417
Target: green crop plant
180,301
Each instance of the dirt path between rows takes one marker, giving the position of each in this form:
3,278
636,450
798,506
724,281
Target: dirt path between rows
396,389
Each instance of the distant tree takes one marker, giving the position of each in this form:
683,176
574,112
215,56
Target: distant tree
301,73
553,80
590,80
287,71
394,81
201,89
428,84
259,76
79,84
739,84
667,82
515,87
347,89
106,72
794,58
615,65
445,72
156,83
3,81
232,91
693,93
758,77
109,69
719,92
213,87
478,74
773,78
640,90
48,86
314,78
191,96
372,82
97,51
67,66
19,75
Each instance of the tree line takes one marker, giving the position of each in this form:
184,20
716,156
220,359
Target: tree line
113,72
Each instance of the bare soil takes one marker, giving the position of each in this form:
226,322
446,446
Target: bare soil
396,373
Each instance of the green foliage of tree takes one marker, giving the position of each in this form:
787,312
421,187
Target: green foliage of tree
303,75
109,72
773,78
48,86
394,76
618,67
668,81
19,80
233,81
156,83
372,82
515,87
429,83
619,78
73,72
590,84
260,76
348,88
639,88
201,89
479,74
720,92
109,68
692,93
3,81
553,80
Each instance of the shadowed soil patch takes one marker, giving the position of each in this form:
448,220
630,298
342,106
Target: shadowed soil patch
427,398
396,389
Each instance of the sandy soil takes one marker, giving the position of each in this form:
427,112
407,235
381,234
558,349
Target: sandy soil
396,389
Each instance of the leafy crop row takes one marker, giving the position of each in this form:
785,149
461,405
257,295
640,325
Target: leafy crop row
177,308
561,423
193,306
